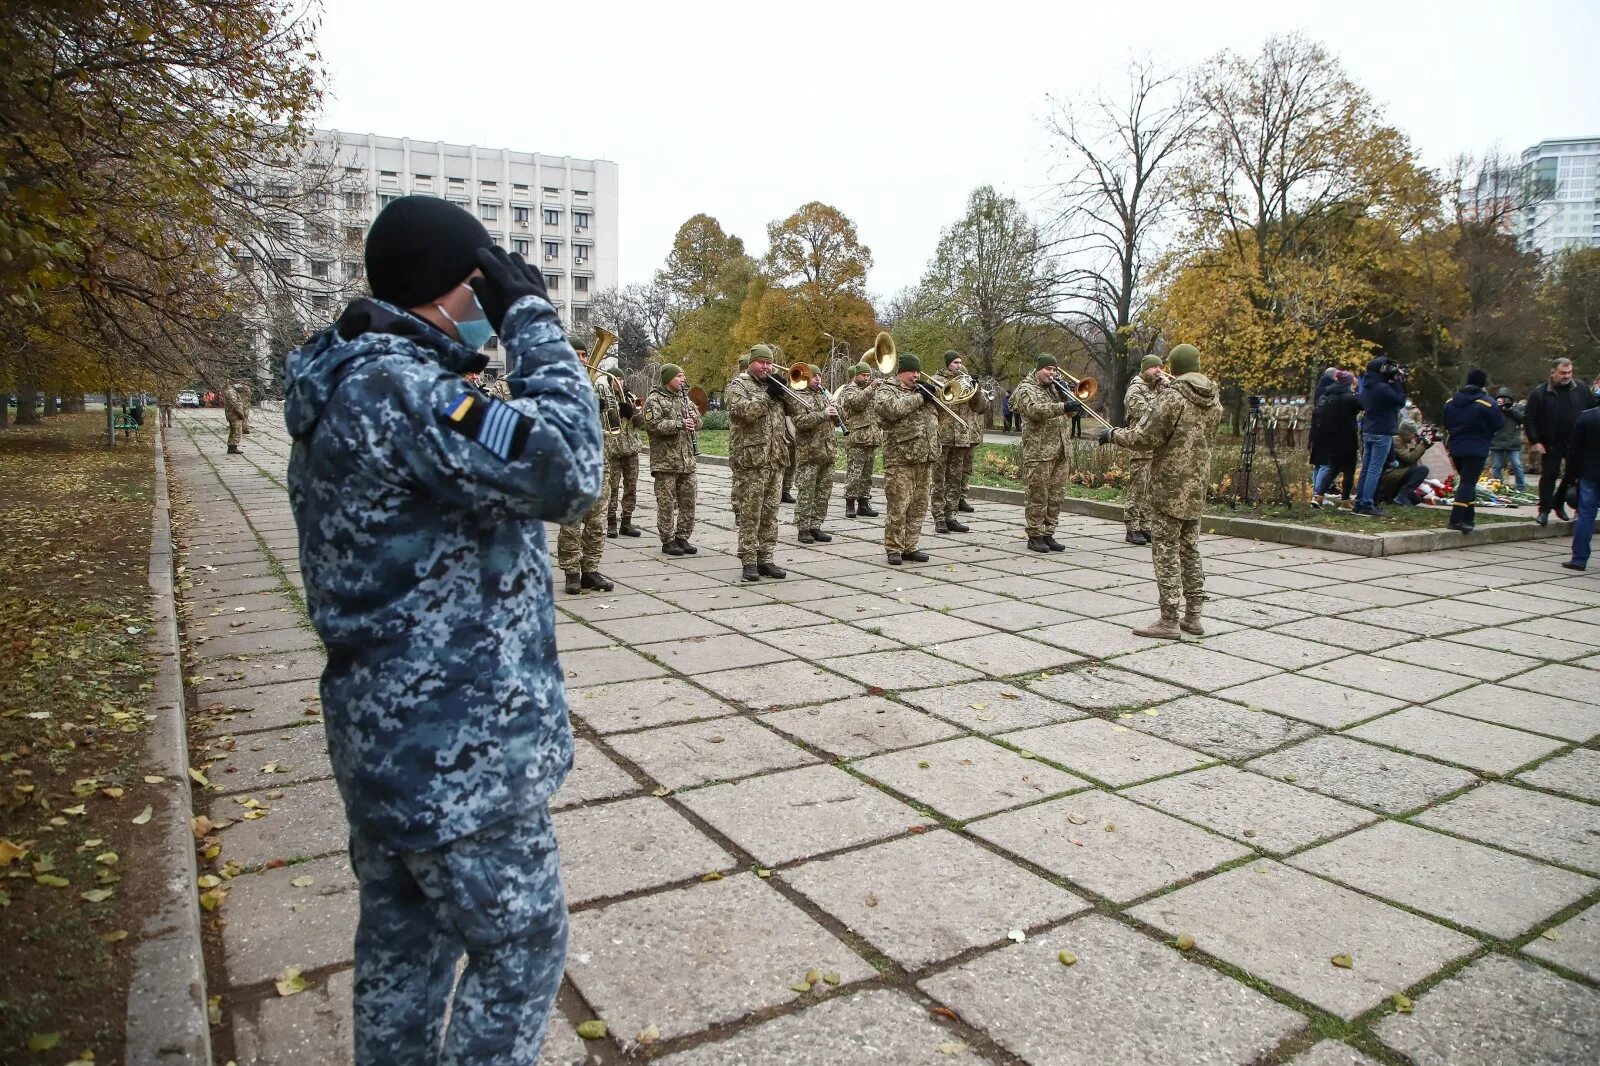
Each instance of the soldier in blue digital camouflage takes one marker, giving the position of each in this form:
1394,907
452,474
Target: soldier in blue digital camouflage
420,504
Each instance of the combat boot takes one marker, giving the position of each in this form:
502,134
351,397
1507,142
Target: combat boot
1191,622
611,528
627,528
233,449
750,573
788,497
895,559
1052,543
941,526
914,556
864,509
686,547
574,583
964,507
806,537
1165,629
671,547
820,537
1144,537
771,570
956,527
1037,544
849,506
597,581
1133,536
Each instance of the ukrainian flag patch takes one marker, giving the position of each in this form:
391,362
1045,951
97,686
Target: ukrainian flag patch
497,426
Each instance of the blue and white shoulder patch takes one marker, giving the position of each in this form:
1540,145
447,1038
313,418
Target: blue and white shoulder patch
497,426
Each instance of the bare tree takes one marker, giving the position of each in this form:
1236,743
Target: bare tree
1116,196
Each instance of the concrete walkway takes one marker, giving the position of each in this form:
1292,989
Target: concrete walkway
956,812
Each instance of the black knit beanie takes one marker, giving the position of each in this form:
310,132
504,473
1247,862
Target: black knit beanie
1477,377
421,247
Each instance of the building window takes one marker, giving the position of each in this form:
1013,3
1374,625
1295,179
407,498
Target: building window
489,212
352,270
282,265
322,233
518,188
552,283
552,249
521,246
355,201
321,301
519,215
388,177
494,240
281,228
580,314
319,268
580,219
552,193
386,198
580,253
552,218
352,234
490,186
580,194
580,284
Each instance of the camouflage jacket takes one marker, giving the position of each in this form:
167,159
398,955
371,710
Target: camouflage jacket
756,437
968,432
621,445
1138,400
235,403
855,403
1178,433
671,446
420,504
1046,429
497,389
814,432
910,424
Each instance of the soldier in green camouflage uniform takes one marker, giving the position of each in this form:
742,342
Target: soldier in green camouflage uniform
579,544
855,400
1177,433
904,408
622,460
757,405
734,473
671,420
496,388
1046,431
1137,401
957,441
815,451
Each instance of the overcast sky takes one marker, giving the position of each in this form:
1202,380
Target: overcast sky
894,112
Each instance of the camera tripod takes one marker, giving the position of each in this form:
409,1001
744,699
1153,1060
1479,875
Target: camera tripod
1247,462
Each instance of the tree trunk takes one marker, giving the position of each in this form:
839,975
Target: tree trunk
27,404
47,403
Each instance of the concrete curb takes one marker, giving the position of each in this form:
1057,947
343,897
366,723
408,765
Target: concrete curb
1371,545
166,1020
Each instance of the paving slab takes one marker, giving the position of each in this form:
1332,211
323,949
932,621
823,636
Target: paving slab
1101,688
694,655
1195,666
797,814
645,703
1529,644
700,956
1576,773
1574,944
761,617
1414,684
1127,1000
1375,777
655,628
1092,637
616,848
223,677
1217,727
1462,658
1283,926
967,777
592,777
1106,751
1332,1053
264,933
1260,811
922,627
562,1045
313,1026
1272,649
785,684
1004,654
261,642
1518,819
1343,633
302,821
605,666
680,756
269,759
921,899
1465,883
990,706
1310,700
826,641
877,1025
1143,851
1452,738
1566,682
265,707
860,608
1498,1010
859,726
892,671
1011,616
1533,712
612,605
574,636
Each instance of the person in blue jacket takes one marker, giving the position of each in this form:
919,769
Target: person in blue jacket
420,504
1471,419
1383,394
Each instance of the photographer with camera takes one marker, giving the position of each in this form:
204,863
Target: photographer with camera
1383,393
1505,450
1406,471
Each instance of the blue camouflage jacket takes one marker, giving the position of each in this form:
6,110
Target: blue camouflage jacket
420,505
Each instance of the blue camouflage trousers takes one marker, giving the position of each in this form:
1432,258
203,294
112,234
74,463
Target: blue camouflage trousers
495,895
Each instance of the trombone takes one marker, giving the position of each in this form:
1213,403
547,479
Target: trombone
797,378
1081,389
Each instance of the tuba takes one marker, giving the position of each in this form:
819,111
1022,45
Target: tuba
611,418
881,355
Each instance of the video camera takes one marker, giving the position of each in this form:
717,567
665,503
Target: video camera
1256,402
1391,370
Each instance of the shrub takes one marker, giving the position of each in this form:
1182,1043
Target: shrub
714,420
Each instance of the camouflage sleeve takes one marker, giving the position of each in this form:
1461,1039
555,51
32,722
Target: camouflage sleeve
853,400
1035,405
746,404
660,420
1157,427
891,404
1136,401
538,456
812,416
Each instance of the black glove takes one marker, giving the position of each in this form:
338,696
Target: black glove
1105,436
1071,404
507,278
626,409
926,390
774,388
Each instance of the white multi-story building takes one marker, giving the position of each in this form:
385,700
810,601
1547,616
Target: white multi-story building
1564,206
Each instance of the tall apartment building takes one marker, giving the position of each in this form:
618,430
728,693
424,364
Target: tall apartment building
1566,210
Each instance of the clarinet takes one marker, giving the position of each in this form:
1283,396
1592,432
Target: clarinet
694,437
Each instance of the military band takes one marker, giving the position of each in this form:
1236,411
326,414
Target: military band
622,466
904,406
860,443
757,455
1137,401
1046,446
815,451
580,543
671,421
958,440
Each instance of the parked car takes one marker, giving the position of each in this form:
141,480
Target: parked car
188,399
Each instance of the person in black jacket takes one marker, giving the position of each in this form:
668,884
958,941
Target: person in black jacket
1506,448
1553,409
1333,437
1471,419
1583,468
1383,393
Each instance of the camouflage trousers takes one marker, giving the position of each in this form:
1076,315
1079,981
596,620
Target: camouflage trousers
788,474
1047,483
756,494
813,491
1136,507
622,485
905,487
235,432
858,472
675,504
579,544
496,896
950,476
1176,548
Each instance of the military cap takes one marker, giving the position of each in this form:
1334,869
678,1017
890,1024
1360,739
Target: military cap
670,371
1148,362
1185,359
907,361
1045,360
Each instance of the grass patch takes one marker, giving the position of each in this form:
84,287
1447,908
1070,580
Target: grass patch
74,619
